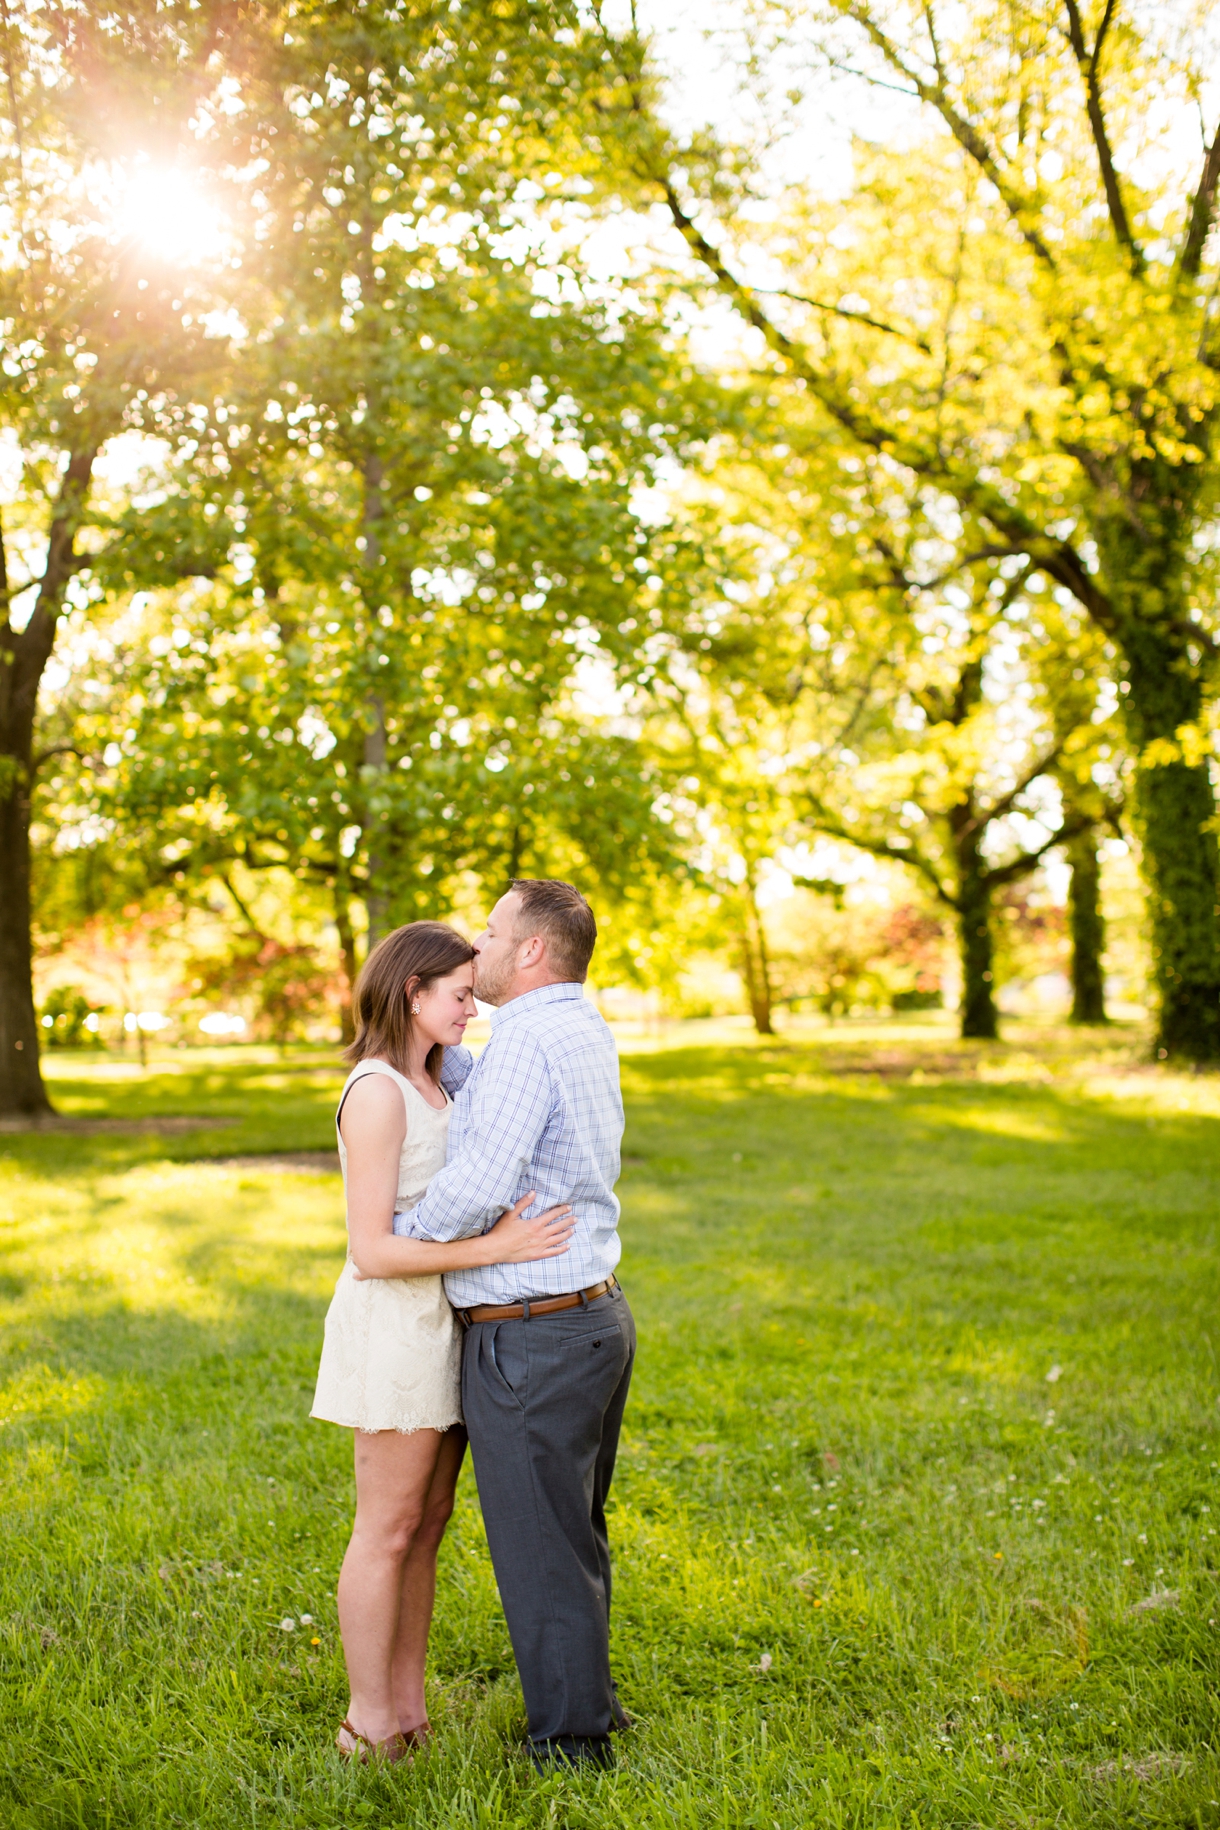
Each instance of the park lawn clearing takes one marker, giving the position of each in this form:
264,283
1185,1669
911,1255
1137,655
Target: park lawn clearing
917,1508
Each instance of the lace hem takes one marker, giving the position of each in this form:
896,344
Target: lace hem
378,1429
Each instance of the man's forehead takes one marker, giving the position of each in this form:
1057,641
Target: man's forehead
508,907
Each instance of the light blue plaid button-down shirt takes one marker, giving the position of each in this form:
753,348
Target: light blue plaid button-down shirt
541,1108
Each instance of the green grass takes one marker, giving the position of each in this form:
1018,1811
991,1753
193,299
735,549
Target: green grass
872,1567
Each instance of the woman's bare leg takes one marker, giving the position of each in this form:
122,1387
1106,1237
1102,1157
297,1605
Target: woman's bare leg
394,1478
419,1584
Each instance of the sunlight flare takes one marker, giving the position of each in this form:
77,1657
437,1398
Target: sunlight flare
166,211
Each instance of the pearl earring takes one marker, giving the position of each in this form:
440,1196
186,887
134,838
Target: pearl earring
415,1010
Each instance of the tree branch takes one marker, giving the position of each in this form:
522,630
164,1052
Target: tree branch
999,808
853,317
1022,865
964,132
1202,214
59,749
1057,558
1089,63
821,821
243,908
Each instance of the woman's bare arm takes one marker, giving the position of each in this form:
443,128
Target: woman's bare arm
374,1127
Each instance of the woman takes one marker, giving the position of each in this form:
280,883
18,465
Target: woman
391,1359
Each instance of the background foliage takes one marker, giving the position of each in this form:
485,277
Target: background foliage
435,454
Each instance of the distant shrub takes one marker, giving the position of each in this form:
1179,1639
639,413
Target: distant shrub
931,998
68,1020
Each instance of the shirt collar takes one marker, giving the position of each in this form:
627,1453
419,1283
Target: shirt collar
532,1000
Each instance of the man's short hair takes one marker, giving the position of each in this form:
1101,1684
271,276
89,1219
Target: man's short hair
559,913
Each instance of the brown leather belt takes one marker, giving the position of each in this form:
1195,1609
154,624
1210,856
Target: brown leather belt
546,1305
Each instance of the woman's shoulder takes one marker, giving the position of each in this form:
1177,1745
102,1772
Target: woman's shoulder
374,1068
381,1091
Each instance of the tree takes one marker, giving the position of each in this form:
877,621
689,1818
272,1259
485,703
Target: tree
335,382
420,483
1072,667
236,737
956,787
979,311
100,335
851,654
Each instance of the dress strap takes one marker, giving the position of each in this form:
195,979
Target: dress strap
364,1070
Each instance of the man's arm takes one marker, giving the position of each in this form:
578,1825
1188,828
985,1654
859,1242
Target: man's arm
456,1064
510,1103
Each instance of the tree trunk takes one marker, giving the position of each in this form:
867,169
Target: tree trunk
23,658
1174,801
1087,927
347,945
375,902
756,966
1173,805
978,1017
21,1087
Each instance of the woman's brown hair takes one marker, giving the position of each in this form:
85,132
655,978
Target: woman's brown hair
424,951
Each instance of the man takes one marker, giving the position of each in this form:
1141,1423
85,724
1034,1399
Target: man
549,1346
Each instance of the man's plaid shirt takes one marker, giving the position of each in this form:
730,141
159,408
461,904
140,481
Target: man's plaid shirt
541,1108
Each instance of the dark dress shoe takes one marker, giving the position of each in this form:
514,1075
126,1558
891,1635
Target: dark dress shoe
571,1751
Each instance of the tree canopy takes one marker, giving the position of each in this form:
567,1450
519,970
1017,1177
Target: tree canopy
440,466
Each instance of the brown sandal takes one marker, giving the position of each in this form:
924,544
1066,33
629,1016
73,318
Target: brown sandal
394,1748
421,1735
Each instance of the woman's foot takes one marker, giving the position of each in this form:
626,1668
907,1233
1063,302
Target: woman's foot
420,1735
355,1746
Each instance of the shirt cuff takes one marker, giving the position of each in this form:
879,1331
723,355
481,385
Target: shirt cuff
404,1224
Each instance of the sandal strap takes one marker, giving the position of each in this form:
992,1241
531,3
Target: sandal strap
392,1748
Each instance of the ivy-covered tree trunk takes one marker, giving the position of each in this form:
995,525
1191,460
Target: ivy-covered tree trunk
1087,927
1174,801
978,1017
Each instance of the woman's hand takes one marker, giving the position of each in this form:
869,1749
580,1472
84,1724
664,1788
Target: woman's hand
513,1240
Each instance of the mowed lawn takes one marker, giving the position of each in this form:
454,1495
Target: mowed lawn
917,1512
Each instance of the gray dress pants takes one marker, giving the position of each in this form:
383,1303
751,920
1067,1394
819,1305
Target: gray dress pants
543,1401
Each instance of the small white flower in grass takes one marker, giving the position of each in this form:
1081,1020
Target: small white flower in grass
307,1620
1141,1537
1054,1375
288,1624
1127,1562
764,1663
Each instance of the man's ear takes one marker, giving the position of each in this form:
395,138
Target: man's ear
532,953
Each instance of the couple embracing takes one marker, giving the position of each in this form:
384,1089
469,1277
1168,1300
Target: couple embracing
526,1347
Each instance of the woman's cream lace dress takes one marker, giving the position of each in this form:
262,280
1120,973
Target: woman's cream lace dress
392,1355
